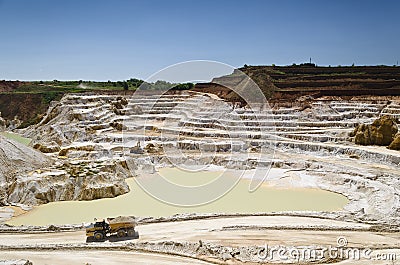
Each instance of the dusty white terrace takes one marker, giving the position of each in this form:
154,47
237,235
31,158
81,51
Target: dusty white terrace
89,140
87,133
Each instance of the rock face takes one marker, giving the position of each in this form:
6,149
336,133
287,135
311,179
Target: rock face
67,182
29,177
395,145
81,168
16,159
381,132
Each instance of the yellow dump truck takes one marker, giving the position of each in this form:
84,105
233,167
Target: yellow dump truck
120,227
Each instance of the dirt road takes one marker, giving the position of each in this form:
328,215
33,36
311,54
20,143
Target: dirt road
234,232
96,258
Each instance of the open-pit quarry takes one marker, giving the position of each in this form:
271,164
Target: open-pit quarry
94,155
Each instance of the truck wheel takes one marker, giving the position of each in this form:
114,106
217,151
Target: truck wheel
98,236
89,239
121,233
131,233
136,234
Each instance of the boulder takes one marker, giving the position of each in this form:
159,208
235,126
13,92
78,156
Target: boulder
395,145
118,105
86,148
47,148
380,132
111,190
3,123
153,148
117,125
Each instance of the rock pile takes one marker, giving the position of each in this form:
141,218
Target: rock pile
122,219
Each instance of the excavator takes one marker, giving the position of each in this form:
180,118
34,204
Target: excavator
121,227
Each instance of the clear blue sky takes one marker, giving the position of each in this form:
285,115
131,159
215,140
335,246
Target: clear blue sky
120,39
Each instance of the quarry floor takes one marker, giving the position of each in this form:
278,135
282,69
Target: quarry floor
245,231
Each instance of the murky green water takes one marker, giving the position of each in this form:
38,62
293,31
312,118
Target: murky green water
139,203
16,137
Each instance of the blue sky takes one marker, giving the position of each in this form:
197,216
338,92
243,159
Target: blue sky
120,39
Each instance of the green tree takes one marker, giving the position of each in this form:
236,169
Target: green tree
184,86
125,85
